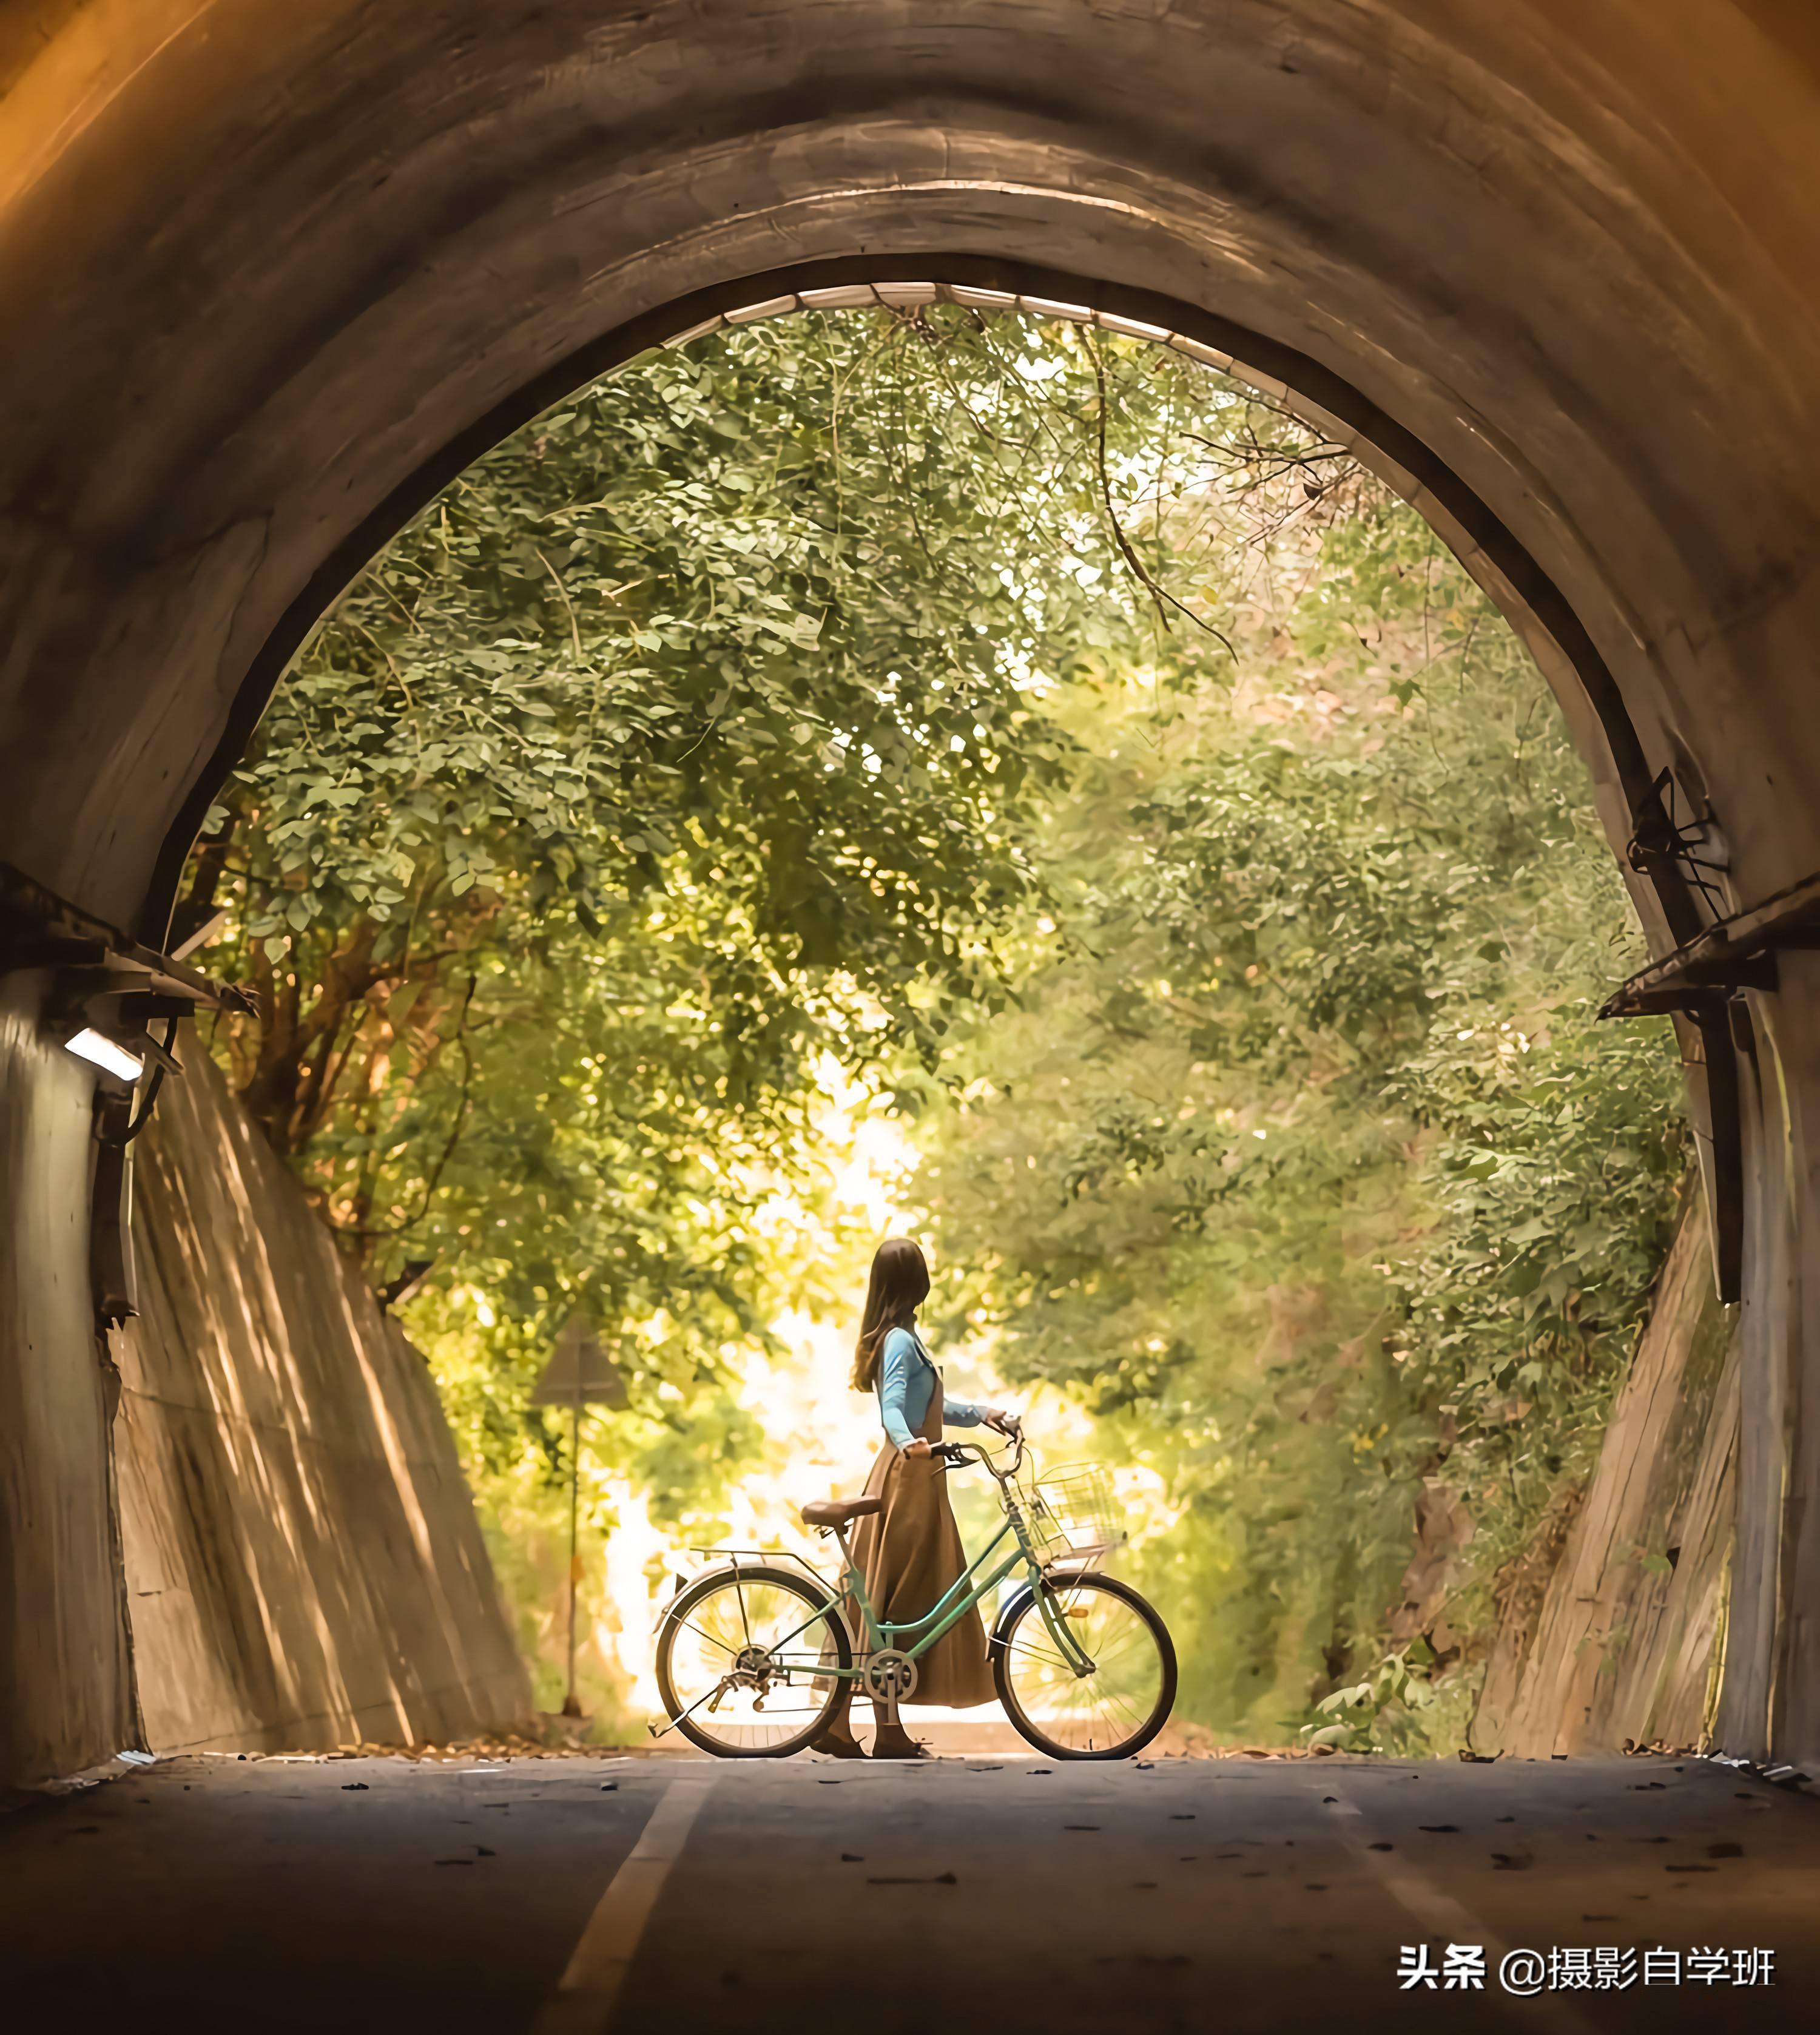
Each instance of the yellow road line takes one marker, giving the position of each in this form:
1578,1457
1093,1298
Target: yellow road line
1419,1897
589,1988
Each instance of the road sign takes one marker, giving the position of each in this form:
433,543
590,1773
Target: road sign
580,1372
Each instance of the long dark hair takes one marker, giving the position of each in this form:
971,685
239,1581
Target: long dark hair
897,1288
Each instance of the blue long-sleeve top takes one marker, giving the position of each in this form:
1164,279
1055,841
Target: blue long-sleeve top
907,1377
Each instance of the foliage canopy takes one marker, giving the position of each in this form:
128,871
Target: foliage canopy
1063,742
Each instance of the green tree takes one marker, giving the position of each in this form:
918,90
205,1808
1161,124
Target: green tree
1303,1162
692,736
1062,739
693,733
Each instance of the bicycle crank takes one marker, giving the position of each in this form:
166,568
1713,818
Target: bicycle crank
888,1676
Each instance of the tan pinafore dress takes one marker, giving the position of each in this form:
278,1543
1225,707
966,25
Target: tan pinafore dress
909,1552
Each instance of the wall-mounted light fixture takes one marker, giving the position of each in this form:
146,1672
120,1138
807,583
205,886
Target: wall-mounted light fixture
101,1052
102,992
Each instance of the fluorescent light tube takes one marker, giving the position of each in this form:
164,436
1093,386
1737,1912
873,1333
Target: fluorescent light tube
89,1045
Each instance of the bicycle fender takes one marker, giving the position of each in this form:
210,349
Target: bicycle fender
1015,1605
1012,1608
1020,1602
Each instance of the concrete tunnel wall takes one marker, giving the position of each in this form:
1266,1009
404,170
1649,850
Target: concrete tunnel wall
269,273
302,1565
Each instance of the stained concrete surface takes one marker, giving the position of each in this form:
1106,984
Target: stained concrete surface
303,1563
209,1894
271,273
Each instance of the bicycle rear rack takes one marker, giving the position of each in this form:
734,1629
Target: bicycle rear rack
757,1557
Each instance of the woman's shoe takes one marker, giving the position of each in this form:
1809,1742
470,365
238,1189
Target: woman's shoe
837,1745
902,1747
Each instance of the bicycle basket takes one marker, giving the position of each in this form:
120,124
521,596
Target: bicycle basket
1073,1516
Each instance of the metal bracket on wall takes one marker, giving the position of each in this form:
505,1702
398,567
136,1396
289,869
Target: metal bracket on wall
1673,851
101,981
1702,981
40,930
1736,953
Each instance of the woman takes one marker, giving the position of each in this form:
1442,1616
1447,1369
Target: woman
909,1551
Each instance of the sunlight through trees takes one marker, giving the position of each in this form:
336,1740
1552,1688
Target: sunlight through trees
1047,752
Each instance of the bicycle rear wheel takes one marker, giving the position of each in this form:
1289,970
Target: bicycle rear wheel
742,1661
1124,1699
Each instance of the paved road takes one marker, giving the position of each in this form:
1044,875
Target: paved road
1000,1895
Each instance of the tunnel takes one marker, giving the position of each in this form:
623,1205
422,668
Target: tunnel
271,276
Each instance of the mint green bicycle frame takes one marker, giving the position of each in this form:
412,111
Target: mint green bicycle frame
961,1597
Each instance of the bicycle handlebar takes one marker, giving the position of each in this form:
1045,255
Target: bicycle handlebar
955,1455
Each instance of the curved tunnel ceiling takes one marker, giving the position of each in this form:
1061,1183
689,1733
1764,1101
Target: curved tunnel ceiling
269,272
1588,693
266,267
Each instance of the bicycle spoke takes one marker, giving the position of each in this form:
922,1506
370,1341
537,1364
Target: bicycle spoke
1032,1653
1105,1657
708,1636
1111,1699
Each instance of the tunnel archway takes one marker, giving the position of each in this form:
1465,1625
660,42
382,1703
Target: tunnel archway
1541,270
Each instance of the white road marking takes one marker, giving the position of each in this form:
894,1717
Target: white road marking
589,1988
1420,1897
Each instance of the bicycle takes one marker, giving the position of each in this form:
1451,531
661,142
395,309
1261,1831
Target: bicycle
755,1657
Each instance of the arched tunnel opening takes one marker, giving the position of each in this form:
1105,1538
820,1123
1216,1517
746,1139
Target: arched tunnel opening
1528,274
519,842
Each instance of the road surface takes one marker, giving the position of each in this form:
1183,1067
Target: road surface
1007,1894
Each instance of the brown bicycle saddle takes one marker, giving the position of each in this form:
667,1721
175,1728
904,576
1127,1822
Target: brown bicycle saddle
839,1511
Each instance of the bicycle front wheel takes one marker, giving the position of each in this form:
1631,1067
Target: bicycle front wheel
1122,1700
742,1662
